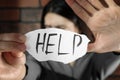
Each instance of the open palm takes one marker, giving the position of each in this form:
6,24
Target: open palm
103,21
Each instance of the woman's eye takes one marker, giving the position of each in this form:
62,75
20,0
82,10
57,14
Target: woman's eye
60,27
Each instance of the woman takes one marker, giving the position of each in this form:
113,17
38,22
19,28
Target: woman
90,67
57,14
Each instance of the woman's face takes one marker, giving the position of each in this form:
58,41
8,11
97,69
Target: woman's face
53,20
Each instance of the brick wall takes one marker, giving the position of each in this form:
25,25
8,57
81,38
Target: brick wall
20,15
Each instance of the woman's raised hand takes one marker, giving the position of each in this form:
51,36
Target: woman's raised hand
103,21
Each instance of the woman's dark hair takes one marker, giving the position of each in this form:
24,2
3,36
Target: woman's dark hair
61,7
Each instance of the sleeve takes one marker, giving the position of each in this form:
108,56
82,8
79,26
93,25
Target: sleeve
106,64
101,66
33,71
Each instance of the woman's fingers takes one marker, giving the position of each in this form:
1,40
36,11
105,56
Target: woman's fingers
78,10
111,3
13,60
97,4
12,42
13,37
70,2
13,47
87,6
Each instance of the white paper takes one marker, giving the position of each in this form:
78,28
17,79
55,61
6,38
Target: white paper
56,45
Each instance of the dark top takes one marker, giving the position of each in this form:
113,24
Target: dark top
90,67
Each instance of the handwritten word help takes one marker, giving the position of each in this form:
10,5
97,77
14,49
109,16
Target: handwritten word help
56,45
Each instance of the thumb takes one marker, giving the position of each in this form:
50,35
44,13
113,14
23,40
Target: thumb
14,60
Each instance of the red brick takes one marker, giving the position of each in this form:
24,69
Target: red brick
44,2
31,15
9,14
18,27
8,27
26,27
19,3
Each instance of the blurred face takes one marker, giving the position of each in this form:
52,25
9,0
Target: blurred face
53,20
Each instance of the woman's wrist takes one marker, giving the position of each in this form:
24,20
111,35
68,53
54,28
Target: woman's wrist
24,72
